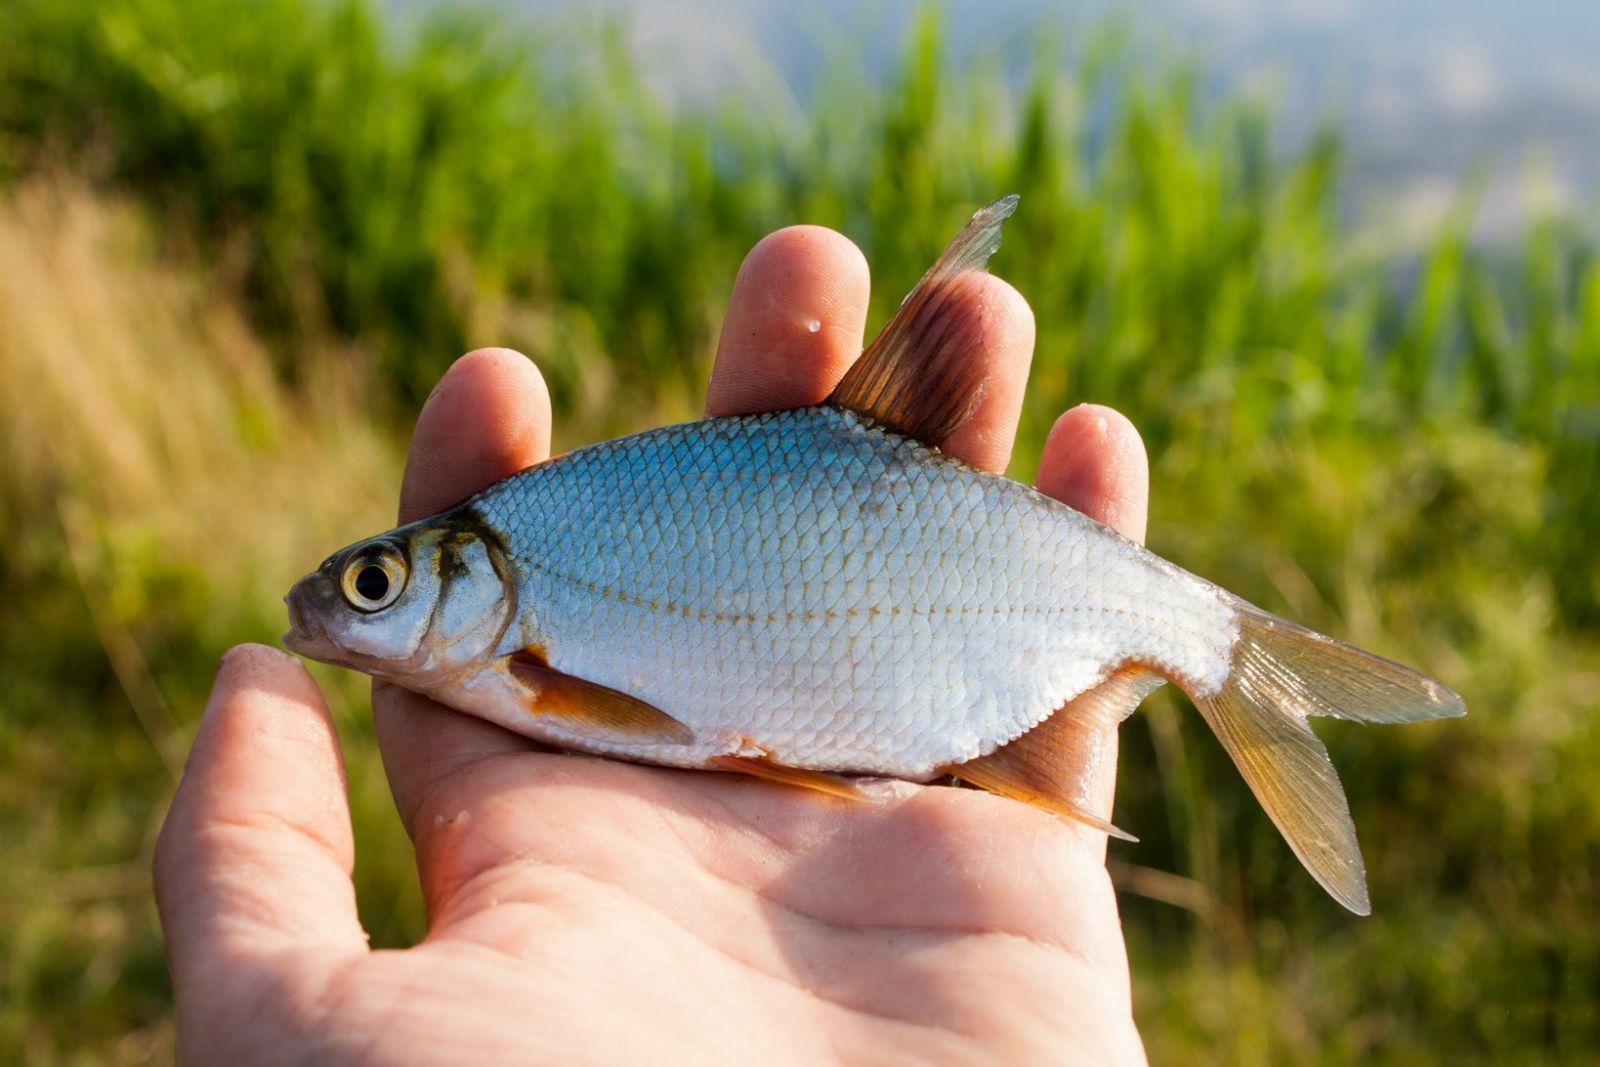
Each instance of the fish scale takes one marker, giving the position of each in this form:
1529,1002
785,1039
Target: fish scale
947,617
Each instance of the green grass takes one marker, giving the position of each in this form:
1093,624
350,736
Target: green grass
282,226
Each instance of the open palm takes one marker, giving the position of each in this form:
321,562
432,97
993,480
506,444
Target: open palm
585,911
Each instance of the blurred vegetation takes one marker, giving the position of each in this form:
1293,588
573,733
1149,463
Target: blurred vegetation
237,248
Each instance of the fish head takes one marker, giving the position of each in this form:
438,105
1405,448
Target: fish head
416,606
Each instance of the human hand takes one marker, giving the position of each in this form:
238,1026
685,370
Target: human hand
586,911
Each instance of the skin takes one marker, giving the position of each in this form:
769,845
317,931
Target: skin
583,911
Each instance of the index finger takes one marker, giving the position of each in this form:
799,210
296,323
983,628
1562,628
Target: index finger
488,417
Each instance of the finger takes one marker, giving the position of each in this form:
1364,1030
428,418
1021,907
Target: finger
256,852
794,323
1094,461
794,326
488,417
1005,328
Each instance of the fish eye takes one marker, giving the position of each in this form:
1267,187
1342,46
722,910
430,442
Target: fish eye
374,578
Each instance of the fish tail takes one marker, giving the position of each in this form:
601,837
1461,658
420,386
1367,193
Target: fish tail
1280,675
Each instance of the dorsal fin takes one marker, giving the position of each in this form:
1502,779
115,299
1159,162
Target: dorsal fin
920,377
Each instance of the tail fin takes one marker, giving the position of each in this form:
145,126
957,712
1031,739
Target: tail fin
1281,675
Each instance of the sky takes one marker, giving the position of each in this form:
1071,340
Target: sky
1427,89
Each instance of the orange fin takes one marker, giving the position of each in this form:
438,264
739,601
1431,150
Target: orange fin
1044,766
761,767
919,377
551,692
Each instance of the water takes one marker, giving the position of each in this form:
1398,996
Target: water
1426,90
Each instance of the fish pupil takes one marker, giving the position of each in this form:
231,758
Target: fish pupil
372,582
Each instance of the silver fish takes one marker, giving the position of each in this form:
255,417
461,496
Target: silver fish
814,594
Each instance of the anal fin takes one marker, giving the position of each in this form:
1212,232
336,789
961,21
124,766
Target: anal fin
565,696
1045,766
764,768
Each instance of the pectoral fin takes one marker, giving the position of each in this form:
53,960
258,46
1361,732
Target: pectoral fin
1045,766
761,767
550,692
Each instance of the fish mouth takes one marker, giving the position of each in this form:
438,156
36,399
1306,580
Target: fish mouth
307,636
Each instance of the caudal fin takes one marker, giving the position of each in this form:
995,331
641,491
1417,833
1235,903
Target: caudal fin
1281,675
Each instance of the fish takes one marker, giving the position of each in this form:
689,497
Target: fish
820,595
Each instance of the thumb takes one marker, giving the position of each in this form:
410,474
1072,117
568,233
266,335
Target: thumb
256,852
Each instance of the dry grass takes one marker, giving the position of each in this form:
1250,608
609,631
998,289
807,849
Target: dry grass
162,488
88,329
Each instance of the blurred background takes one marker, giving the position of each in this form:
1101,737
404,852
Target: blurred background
1337,261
